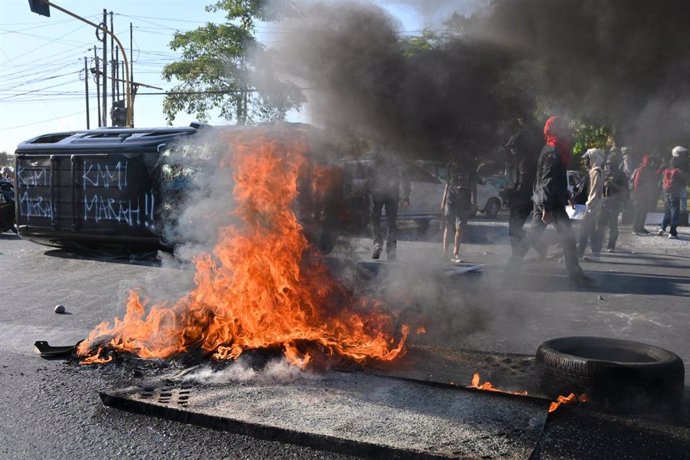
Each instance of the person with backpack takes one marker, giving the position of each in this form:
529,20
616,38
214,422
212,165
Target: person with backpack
459,199
590,229
615,195
681,153
673,182
645,184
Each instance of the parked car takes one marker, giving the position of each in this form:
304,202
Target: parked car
6,206
489,199
573,178
427,183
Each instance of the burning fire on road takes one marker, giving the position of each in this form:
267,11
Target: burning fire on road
263,286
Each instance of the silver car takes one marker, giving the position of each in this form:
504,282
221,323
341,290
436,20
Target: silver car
426,190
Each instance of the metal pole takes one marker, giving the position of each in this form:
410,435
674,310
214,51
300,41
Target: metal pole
113,65
86,88
122,48
131,64
104,28
98,86
116,80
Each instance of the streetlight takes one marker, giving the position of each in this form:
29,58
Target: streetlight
42,7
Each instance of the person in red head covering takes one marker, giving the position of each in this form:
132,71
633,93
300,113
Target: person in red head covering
645,192
550,197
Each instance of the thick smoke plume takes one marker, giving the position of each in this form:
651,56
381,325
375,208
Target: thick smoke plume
620,62
362,81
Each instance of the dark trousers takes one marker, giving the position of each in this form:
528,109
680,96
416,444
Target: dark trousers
591,231
642,207
671,213
562,223
390,204
608,219
519,212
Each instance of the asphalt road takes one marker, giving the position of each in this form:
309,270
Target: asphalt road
51,409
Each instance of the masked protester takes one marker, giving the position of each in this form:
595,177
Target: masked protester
683,162
589,226
673,183
644,192
523,148
386,181
551,195
615,196
627,165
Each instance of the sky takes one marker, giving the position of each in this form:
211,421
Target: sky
42,86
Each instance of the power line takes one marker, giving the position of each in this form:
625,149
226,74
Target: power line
41,122
39,80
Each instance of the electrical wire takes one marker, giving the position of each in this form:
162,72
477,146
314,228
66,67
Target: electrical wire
8,128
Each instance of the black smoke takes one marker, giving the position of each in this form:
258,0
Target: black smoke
620,62
623,62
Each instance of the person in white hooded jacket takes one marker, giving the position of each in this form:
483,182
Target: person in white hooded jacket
589,228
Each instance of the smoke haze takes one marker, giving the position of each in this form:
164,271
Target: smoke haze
613,61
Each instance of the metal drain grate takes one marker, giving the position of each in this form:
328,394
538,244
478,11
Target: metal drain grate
167,395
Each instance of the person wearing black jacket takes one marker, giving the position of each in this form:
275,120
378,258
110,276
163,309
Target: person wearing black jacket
551,195
522,166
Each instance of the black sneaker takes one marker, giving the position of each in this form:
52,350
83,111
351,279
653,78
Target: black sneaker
390,254
377,253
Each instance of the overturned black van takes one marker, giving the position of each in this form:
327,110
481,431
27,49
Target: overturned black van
112,187
98,187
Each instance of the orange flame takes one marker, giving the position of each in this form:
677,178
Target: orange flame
488,386
263,286
572,398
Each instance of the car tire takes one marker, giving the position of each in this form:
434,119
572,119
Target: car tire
617,375
492,207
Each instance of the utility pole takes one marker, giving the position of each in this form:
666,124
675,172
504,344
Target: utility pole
98,86
105,69
131,65
42,7
113,66
86,88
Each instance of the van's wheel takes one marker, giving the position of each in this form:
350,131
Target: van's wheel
618,375
492,207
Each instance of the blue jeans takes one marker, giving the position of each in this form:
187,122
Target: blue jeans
671,212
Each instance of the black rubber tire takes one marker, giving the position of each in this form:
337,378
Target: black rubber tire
618,375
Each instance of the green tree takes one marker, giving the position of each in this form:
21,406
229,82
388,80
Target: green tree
217,69
589,135
6,159
425,42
